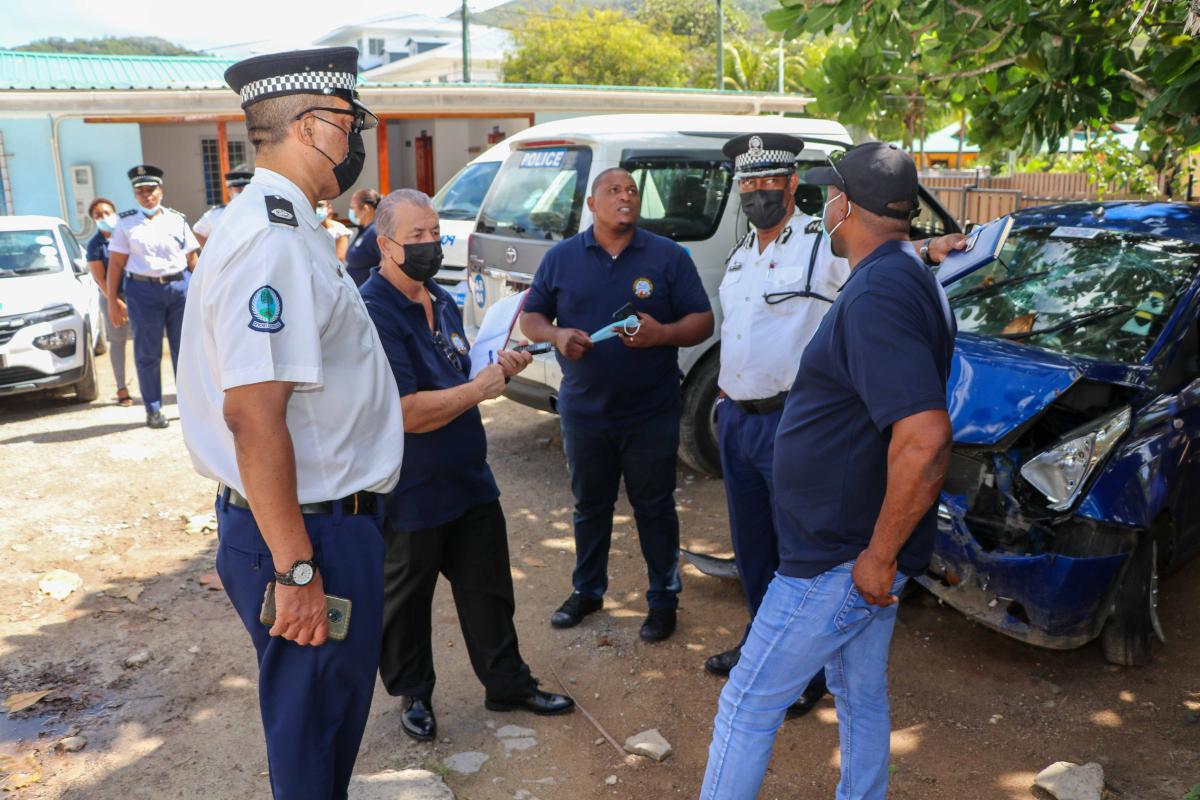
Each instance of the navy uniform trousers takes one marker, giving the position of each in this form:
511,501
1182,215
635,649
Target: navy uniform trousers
314,700
153,308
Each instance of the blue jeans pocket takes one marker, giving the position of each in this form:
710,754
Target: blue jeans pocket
856,610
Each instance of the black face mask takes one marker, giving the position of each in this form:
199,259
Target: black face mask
346,171
421,261
765,208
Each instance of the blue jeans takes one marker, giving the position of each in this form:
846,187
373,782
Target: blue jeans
645,455
153,308
805,624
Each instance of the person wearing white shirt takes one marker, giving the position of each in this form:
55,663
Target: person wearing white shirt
288,401
340,234
152,252
235,180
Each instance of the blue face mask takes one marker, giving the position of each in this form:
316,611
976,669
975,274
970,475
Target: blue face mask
322,213
353,217
150,212
107,223
828,233
629,326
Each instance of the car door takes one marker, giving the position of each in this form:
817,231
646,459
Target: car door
85,295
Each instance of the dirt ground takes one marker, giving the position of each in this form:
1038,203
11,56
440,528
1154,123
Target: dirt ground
153,668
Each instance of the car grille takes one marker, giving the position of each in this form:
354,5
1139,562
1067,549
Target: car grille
11,375
6,334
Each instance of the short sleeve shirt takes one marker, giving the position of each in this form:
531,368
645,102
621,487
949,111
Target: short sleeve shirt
97,249
579,285
881,354
363,254
771,305
445,472
269,302
208,220
157,246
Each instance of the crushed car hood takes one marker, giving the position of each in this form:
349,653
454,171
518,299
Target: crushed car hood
996,386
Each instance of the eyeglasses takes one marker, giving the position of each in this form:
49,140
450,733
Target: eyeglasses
362,120
450,352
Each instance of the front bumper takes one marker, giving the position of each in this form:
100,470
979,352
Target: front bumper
1049,600
26,368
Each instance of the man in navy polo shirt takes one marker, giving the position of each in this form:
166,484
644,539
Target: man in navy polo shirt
620,398
860,455
444,515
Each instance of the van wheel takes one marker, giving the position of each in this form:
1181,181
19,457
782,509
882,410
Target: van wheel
698,423
88,389
1128,635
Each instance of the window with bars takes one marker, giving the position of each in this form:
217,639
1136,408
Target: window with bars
210,155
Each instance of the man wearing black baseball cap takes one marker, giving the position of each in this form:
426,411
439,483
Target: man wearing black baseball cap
860,455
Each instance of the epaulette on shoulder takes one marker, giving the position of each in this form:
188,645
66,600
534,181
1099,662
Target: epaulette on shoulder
814,226
176,212
280,210
128,213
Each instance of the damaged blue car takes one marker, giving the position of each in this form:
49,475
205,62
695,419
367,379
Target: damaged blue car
1074,481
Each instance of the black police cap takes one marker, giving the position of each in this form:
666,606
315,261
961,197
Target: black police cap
331,71
145,175
237,177
761,155
878,176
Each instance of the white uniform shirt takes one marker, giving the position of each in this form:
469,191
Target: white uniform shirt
761,342
157,246
269,302
336,230
208,221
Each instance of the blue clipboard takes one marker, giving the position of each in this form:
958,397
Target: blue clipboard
983,247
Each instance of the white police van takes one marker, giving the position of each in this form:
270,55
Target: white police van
537,199
50,325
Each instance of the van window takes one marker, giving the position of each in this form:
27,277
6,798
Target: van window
462,195
683,198
539,194
28,253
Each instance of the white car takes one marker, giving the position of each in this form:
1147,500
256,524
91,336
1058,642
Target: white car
50,325
457,204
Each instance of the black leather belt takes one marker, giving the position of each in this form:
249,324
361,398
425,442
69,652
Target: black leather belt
357,503
133,276
763,406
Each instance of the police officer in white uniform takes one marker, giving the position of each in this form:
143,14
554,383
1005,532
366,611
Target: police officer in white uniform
287,400
235,181
153,251
779,282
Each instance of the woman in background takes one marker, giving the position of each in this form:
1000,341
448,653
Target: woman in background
104,213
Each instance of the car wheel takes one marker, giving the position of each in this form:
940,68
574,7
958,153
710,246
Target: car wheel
88,389
1128,635
698,423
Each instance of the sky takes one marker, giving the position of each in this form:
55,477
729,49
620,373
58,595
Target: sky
198,24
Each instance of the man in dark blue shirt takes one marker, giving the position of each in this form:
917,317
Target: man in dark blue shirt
860,455
444,515
620,398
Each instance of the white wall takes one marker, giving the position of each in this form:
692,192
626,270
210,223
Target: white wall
177,150
456,142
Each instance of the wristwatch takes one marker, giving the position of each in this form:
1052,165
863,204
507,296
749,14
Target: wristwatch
300,574
925,254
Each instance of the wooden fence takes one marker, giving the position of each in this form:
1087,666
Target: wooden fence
976,196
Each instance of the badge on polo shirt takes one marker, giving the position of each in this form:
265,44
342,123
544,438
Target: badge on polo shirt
458,343
266,310
643,288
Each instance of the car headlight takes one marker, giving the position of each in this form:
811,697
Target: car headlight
1060,472
61,343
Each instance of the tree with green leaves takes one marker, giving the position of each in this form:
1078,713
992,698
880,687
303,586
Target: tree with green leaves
109,45
1027,71
753,66
695,20
594,46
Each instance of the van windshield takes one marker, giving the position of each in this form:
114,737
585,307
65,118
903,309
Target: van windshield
683,197
461,197
539,194
28,253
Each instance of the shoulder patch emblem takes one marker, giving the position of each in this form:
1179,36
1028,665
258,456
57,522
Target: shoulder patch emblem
813,226
280,210
459,344
266,310
643,288
128,213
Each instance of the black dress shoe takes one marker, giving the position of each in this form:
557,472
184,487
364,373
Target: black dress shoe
808,701
542,703
572,612
156,420
723,663
659,624
418,720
